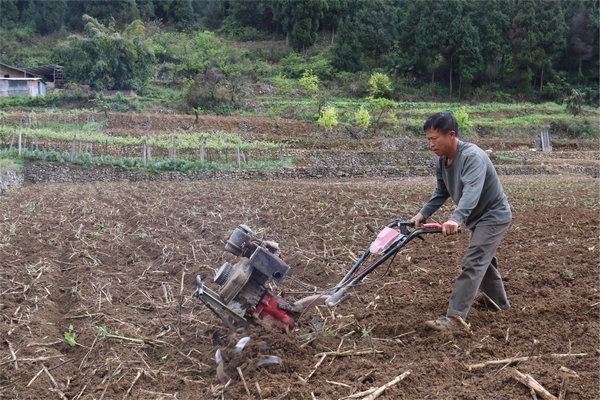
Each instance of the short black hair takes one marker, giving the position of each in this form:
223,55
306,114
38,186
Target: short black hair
443,122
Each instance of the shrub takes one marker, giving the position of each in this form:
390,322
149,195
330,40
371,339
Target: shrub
380,85
363,118
462,117
328,118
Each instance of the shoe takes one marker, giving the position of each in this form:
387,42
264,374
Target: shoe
444,324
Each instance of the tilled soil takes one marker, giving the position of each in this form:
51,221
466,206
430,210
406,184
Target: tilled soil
96,282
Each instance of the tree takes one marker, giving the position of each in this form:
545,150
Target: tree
328,118
367,33
301,21
493,18
420,36
121,11
380,85
106,59
581,39
9,14
537,36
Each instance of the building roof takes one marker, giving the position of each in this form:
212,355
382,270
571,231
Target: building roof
44,70
20,79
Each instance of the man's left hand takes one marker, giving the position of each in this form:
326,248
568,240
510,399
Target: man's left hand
450,228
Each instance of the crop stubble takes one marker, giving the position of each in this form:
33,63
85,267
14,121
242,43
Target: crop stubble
110,258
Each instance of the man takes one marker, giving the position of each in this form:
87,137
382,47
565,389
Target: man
465,173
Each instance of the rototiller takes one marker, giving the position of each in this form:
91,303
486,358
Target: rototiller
244,297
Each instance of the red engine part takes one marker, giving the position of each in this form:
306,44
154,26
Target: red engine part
269,312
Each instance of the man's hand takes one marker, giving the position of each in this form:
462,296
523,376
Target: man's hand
450,228
419,219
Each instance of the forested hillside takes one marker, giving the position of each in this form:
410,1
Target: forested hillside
493,50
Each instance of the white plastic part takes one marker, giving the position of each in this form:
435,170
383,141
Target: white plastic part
268,360
241,344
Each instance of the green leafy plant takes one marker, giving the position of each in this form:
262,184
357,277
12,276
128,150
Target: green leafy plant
328,118
70,336
366,332
363,118
462,117
105,334
380,85
569,274
309,81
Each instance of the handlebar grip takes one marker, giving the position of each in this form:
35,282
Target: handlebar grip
435,226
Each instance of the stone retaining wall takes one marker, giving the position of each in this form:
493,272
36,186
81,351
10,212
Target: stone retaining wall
10,179
55,173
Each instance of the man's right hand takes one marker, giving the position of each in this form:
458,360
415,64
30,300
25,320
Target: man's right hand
419,219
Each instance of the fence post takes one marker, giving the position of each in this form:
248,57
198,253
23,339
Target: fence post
238,158
174,149
201,153
73,147
19,142
144,151
281,153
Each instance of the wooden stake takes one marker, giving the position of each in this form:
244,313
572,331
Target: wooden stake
532,384
380,390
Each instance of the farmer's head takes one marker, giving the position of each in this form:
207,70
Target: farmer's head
441,130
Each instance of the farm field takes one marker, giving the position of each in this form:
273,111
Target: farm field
96,282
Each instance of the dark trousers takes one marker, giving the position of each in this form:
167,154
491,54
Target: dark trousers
479,271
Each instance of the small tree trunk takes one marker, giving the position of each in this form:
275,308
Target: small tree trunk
20,142
542,79
450,76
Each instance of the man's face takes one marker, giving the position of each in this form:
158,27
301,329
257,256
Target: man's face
441,144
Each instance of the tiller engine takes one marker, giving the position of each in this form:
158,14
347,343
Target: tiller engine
244,297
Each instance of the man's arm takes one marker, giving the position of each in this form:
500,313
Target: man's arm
473,179
438,198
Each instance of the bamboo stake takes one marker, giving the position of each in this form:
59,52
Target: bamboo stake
380,390
531,383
